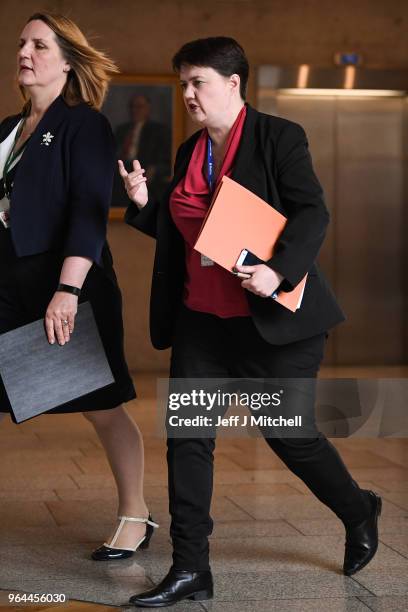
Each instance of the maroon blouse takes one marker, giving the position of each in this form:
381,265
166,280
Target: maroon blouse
207,288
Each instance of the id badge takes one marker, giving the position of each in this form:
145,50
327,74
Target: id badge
5,211
206,261
5,218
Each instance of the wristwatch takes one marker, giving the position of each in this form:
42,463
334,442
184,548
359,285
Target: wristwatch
69,289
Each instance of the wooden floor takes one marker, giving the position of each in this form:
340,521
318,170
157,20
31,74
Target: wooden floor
274,547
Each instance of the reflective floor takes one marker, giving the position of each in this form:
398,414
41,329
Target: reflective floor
274,547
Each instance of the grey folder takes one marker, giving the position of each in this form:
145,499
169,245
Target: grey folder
39,376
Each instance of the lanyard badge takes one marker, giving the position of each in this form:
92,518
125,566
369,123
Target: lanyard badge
5,218
206,261
210,165
12,157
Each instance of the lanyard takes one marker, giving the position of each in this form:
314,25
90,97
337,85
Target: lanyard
12,156
210,165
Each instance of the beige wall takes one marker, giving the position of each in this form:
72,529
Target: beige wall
142,36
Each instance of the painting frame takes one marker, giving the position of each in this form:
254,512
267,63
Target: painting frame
134,85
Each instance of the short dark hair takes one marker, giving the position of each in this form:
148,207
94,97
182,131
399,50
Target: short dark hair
221,53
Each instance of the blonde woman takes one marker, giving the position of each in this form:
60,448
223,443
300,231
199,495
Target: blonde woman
56,170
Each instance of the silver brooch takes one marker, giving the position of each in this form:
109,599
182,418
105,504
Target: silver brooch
47,138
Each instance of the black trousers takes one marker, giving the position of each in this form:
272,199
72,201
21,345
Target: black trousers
206,346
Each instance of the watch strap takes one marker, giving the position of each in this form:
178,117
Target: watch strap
69,289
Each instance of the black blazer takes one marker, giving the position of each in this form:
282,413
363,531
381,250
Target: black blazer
272,161
62,191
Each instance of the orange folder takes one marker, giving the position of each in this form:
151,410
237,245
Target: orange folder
238,219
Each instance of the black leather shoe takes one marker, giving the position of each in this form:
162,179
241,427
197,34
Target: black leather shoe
176,586
108,552
362,539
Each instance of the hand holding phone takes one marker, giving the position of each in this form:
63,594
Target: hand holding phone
246,258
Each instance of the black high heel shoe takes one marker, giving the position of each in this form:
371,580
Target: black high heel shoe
362,539
109,552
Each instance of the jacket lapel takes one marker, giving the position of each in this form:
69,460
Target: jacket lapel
244,160
250,170
40,153
49,124
8,126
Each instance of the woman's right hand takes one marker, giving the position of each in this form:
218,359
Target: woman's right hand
135,183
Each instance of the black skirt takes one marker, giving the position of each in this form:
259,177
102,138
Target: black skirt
27,285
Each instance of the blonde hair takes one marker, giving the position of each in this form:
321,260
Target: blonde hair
91,70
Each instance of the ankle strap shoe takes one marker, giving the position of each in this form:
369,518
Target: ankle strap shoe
110,552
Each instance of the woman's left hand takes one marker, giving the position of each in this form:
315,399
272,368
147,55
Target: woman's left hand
60,317
263,282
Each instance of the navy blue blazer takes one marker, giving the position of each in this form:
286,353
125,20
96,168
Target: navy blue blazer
62,190
273,161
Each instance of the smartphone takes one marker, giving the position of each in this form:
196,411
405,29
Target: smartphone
246,258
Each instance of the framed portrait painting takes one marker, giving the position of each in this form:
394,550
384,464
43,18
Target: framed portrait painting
146,115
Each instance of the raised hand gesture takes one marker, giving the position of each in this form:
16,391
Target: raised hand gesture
135,183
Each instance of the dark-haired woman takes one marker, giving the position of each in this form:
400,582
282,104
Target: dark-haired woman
220,326
57,159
